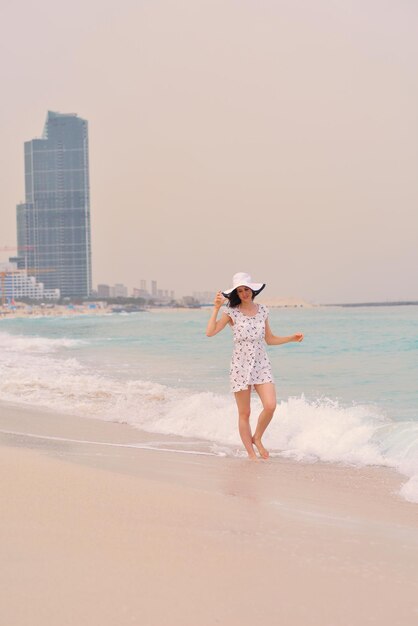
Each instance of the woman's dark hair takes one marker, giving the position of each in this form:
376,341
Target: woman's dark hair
234,299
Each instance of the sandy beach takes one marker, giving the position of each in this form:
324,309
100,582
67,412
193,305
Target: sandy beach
105,533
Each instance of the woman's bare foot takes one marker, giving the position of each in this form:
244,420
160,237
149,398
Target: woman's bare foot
263,452
251,454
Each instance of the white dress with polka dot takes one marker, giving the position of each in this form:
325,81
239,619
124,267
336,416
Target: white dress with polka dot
250,364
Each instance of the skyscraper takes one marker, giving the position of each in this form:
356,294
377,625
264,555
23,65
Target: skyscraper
53,225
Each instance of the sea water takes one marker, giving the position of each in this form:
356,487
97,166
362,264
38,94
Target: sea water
347,394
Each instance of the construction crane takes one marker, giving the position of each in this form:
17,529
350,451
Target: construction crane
10,248
18,248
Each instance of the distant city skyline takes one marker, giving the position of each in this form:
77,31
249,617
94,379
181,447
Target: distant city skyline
275,138
120,290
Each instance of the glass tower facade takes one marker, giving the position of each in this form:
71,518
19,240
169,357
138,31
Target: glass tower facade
53,224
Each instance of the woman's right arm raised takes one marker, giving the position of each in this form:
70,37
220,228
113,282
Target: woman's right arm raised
215,326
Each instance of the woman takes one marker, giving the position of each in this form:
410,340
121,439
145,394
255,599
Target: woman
250,366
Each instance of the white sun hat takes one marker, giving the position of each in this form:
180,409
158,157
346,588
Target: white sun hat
242,279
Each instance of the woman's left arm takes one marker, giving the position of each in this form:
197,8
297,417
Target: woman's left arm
272,340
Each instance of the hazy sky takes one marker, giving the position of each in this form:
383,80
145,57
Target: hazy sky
278,137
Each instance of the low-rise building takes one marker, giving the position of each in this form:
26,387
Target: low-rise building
204,297
18,284
119,291
103,291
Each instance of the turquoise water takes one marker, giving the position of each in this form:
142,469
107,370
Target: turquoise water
348,393
352,355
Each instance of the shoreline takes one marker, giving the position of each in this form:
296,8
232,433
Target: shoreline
84,311
56,310
45,428
100,308
193,539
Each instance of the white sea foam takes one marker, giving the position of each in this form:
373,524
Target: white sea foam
304,430
24,344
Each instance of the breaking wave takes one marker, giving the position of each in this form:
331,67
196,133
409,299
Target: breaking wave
304,430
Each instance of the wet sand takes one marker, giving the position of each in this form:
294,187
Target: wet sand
108,534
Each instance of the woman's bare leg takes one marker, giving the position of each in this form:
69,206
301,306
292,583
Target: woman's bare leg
267,393
243,400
